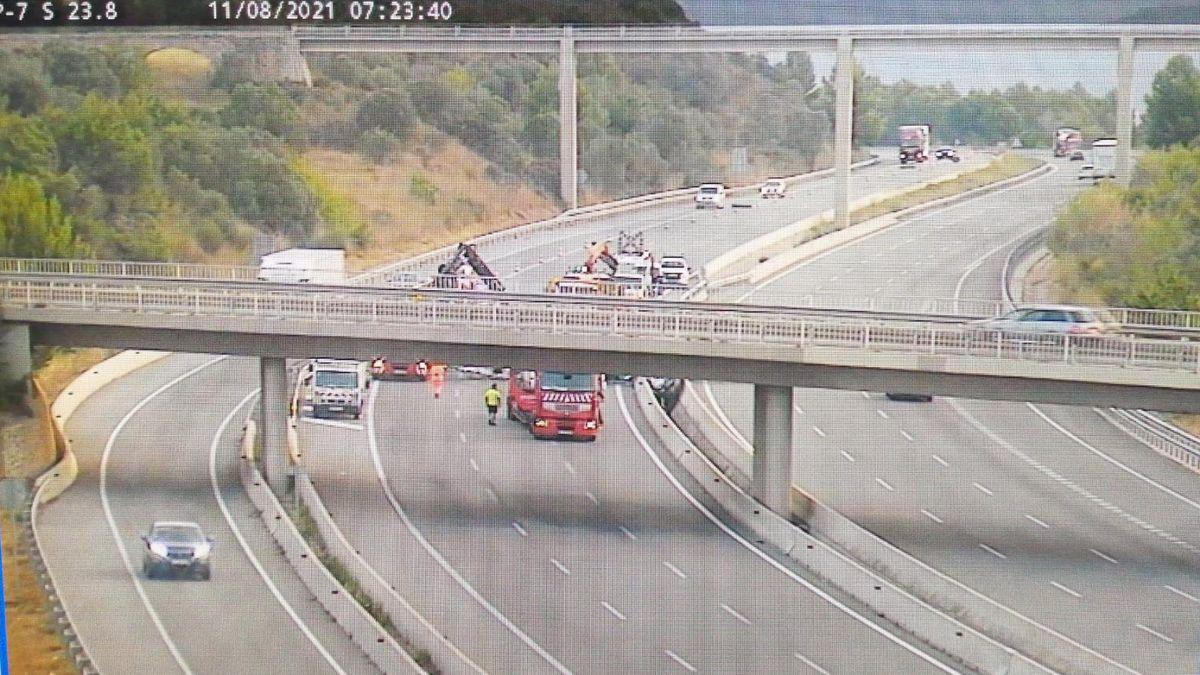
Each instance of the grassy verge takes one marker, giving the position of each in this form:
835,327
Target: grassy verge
33,644
308,529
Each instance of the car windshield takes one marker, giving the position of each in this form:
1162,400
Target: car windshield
567,381
336,379
672,263
177,534
708,190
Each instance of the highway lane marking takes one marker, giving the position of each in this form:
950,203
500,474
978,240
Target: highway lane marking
798,409
462,436
883,483
520,530
1050,473
112,523
492,494
993,551
625,531
941,461
865,394
474,464
906,435
678,572
1181,594
612,610
592,498
331,423
1064,589
734,613
1155,633
983,489
1105,557
882,414
818,430
561,567
457,413
712,518
675,657
718,414
810,664
1039,522
373,446
237,534
847,455
570,468
932,517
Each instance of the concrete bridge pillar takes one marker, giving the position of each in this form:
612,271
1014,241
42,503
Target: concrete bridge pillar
843,129
771,482
568,120
1124,158
16,358
275,402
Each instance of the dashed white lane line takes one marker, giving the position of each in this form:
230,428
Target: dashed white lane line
810,664
612,610
571,469
457,413
591,498
941,461
1182,594
625,531
993,551
932,517
882,414
492,494
1155,633
906,435
1104,557
983,489
798,409
462,436
847,455
675,657
519,529
1064,589
734,613
561,567
474,464
1040,523
884,485
819,432
678,572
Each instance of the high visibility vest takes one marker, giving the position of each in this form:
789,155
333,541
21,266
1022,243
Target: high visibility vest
491,397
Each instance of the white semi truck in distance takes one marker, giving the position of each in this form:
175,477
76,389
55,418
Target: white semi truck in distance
304,266
1103,162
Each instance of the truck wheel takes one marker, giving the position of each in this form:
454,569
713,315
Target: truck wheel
148,570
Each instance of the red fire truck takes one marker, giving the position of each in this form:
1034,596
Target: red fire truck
556,405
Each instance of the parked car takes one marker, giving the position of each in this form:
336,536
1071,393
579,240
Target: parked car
174,547
773,188
946,152
1057,319
710,195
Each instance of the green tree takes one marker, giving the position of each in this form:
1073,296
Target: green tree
108,141
1173,104
389,110
26,146
266,107
23,82
32,225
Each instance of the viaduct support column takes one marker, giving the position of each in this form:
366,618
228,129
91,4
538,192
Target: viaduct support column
771,482
568,120
274,401
843,129
16,359
1124,159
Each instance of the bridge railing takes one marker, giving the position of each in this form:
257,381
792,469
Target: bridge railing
119,268
632,321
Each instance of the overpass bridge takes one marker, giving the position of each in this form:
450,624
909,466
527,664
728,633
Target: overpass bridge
775,351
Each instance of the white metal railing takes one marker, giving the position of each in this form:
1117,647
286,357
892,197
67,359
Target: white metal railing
120,268
1164,437
634,321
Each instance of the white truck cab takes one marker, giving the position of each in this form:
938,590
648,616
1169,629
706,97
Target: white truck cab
336,387
772,188
710,195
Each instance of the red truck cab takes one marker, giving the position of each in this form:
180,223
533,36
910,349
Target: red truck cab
556,405
416,371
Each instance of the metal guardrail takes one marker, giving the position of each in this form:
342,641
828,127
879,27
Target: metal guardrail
586,318
1164,437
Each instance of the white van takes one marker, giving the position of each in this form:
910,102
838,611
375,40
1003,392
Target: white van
710,195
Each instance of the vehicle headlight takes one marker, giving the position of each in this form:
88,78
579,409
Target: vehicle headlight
159,549
541,423
202,550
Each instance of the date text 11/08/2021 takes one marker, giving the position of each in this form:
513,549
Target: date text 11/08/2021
330,10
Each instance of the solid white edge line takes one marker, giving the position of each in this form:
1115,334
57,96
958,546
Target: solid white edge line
112,523
808,662
331,423
373,446
237,534
637,434
1155,633
678,659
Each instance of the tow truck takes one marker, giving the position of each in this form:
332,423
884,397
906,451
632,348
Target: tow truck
556,404
453,273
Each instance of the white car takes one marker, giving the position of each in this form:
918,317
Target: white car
674,269
772,188
710,195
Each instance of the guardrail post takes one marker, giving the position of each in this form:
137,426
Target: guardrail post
1066,348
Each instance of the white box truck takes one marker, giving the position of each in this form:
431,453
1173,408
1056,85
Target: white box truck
304,266
1103,162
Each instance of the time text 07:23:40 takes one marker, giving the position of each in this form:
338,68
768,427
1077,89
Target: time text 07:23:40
329,10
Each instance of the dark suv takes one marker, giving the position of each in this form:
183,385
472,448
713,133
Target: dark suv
173,547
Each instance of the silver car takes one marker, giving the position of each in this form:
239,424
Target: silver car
174,547
1057,319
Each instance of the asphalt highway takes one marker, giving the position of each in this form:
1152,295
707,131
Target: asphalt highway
1049,510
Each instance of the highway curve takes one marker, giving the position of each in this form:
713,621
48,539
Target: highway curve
150,447
1049,510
